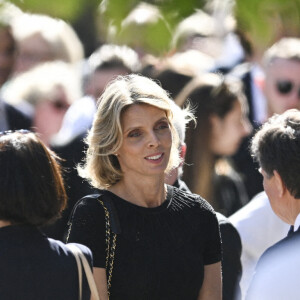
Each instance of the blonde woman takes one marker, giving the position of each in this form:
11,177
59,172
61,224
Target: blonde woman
167,244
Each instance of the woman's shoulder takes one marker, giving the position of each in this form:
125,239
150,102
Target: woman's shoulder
189,200
94,199
89,200
88,204
87,211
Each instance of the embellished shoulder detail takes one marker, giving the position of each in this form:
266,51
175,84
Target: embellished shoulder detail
182,199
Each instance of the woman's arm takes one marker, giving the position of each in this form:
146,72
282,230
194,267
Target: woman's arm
212,284
101,283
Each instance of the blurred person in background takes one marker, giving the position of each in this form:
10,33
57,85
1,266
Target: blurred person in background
231,241
10,116
282,75
48,89
221,112
213,34
41,38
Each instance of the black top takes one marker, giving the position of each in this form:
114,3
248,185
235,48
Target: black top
161,251
36,267
15,118
231,253
231,259
229,193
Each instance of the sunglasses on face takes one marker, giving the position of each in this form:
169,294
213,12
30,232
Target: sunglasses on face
285,87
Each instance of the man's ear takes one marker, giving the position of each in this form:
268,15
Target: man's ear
281,188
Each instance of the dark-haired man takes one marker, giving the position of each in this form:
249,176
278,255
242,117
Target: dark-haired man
276,147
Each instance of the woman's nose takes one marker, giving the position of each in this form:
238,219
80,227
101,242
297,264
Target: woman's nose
153,140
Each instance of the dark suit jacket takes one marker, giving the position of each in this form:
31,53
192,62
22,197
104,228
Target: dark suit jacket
35,267
15,118
278,270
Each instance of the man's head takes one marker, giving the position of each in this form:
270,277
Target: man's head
282,70
106,63
276,147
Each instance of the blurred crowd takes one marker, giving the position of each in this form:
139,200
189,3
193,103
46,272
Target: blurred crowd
49,86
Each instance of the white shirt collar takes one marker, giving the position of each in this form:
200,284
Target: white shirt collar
297,223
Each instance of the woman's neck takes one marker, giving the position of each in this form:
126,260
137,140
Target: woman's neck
146,194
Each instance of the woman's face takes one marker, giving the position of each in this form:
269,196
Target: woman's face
32,51
147,141
49,114
228,132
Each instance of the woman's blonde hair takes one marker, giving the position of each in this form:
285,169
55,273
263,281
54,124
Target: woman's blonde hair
101,167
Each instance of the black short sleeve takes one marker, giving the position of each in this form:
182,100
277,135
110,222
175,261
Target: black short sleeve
212,252
87,227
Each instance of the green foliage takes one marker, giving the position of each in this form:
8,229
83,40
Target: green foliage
113,12
154,36
173,10
68,10
264,21
267,20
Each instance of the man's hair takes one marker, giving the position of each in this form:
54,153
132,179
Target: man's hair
285,48
31,185
276,146
111,56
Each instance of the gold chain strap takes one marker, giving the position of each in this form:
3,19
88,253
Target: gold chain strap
69,231
110,247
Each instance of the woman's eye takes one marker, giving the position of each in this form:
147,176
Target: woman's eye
162,126
135,133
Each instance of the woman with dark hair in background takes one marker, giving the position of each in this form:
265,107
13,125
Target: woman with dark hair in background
220,109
